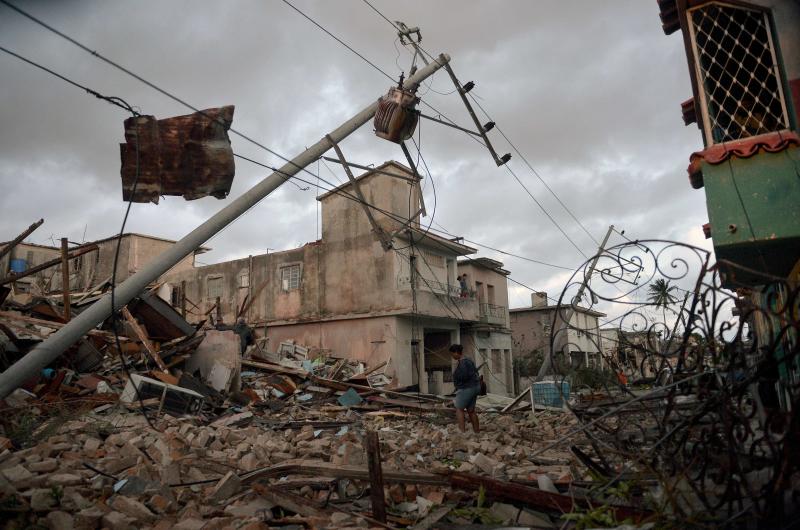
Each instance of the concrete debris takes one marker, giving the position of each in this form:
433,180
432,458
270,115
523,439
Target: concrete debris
190,434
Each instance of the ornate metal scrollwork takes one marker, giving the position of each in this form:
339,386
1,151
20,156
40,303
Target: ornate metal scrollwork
700,384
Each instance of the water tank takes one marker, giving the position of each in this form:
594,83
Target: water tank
550,393
18,265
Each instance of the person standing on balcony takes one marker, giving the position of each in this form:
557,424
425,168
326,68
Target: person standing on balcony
467,383
462,282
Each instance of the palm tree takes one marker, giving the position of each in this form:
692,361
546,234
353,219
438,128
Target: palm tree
660,295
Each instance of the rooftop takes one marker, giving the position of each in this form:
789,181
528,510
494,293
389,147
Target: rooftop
553,307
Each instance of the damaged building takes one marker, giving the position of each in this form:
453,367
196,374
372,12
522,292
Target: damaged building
344,295
90,269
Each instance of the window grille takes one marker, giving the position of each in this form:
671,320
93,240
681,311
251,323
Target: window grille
433,260
290,277
736,66
244,279
214,288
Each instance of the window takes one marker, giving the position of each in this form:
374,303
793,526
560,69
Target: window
290,277
244,279
433,260
214,288
737,72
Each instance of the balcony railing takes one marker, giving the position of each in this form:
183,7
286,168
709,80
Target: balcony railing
493,314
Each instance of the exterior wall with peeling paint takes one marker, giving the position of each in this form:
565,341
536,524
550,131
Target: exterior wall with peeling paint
344,295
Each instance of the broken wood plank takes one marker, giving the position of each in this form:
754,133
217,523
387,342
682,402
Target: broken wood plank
7,315
67,312
536,498
326,469
291,501
406,403
374,369
8,247
516,401
373,448
145,340
277,368
252,297
344,385
97,289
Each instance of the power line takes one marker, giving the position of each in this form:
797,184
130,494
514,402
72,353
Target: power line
434,109
392,215
536,173
340,41
121,104
146,82
186,104
545,211
110,99
524,159
114,100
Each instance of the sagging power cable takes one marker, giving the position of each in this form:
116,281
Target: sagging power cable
514,147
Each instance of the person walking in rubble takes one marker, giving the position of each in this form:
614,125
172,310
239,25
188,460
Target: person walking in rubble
467,383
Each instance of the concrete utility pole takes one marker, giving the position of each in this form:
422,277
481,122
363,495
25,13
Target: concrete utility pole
58,342
562,338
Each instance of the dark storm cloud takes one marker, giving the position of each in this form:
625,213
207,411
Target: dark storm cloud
588,91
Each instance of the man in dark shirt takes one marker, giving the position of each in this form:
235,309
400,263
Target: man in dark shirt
467,383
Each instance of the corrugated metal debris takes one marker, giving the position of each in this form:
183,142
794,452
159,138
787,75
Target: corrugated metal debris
187,155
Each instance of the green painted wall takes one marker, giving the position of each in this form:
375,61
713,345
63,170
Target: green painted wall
754,210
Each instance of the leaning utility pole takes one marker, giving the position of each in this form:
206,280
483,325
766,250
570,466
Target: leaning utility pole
562,335
57,343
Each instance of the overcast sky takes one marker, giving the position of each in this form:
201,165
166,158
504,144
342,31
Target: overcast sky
588,91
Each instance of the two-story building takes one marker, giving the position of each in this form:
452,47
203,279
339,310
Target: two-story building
532,331
348,295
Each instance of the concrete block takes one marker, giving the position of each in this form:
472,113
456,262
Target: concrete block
18,476
507,513
64,479
535,519
160,504
484,463
132,508
47,465
227,486
43,500
118,521
59,520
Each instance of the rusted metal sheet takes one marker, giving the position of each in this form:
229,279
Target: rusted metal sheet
187,155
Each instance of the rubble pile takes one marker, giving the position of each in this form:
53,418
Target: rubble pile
110,469
156,423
